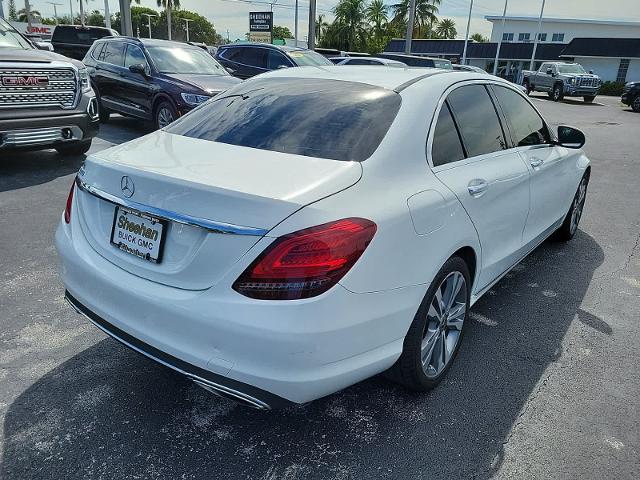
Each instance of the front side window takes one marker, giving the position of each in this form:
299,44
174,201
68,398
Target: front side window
302,116
277,60
446,146
526,126
134,56
193,61
113,53
476,117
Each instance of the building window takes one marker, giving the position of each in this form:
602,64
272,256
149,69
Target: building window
507,37
524,37
558,37
542,37
622,70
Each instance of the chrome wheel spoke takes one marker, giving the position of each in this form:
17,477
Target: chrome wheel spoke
455,319
428,345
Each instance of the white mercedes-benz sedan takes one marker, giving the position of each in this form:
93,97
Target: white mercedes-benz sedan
312,227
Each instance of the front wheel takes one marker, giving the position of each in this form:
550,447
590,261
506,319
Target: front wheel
74,148
165,114
635,105
434,337
589,98
557,94
569,227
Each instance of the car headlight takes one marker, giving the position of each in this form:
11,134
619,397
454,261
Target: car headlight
193,99
572,80
84,80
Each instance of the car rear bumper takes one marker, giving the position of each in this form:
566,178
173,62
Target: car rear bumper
267,352
627,98
26,131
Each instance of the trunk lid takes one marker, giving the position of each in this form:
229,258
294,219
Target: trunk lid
238,186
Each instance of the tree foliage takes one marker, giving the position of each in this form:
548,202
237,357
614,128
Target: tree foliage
281,32
13,13
478,37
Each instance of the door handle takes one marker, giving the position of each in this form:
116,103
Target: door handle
536,162
477,187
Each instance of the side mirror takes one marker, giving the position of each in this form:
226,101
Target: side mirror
139,69
549,71
570,137
283,66
44,46
591,72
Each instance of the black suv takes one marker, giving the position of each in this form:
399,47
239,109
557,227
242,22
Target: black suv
74,41
244,60
631,95
46,100
154,80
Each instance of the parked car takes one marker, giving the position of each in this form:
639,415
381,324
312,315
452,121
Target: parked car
74,41
631,95
561,79
46,100
367,61
467,68
245,60
417,61
154,80
255,245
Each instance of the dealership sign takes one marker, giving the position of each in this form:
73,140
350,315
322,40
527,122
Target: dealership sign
260,26
45,31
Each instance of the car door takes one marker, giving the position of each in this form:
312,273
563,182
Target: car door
136,90
490,180
108,70
549,165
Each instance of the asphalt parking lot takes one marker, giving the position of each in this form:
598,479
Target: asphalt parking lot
547,383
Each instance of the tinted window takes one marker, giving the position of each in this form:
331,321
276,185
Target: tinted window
317,118
134,56
526,126
477,120
255,57
362,61
304,58
277,60
113,53
79,35
446,146
96,50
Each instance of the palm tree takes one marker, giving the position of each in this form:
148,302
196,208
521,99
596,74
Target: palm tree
168,6
22,15
350,22
321,26
446,28
478,37
377,15
426,11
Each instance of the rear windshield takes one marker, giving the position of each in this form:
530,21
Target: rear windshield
317,118
79,35
443,64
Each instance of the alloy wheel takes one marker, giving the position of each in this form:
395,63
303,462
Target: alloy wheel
165,117
578,205
445,319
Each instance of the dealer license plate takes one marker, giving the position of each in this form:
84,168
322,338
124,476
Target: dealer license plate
138,234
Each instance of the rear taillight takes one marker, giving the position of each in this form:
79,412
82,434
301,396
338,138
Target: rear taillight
308,262
67,210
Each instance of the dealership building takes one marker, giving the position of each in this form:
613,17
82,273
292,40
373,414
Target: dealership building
610,49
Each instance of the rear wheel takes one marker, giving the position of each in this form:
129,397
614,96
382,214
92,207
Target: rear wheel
569,227
165,114
589,98
74,148
635,105
557,94
526,85
433,340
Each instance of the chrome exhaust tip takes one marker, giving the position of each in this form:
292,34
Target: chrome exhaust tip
237,397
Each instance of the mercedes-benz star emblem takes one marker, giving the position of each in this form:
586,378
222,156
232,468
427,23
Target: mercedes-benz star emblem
127,186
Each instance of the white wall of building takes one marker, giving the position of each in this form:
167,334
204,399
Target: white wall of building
605,68
633,74
571,28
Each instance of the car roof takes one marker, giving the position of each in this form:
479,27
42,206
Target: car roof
284,48
392,78
151,42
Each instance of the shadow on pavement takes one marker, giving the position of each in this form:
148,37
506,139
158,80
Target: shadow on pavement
25,169
110,413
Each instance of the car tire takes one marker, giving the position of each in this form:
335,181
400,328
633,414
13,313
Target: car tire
425,357
74,148
635,104
556,94
103,112
569,226
526,85
589,98
164,114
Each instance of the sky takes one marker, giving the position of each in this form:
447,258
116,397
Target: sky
233,15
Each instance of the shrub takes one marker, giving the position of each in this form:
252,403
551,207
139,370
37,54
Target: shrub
611,88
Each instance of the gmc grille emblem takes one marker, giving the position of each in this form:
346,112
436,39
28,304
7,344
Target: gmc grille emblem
22,81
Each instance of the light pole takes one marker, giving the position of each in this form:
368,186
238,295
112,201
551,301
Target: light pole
107,14
295,27
312,25
27,9
504,14
55,10
535,41
466,36
71,10
125,18
410,20
149,15
186,21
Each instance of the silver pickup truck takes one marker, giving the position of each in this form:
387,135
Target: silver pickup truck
560,79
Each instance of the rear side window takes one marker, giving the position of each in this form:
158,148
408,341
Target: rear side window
525,125
254,57
113,53
477,120
446,147
317,118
